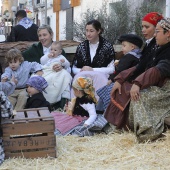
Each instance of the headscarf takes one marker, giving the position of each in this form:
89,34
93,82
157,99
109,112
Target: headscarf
153,18
165,23
38,82
85,84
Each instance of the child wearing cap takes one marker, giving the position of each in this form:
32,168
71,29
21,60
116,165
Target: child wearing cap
21,70
131,48
36,85
81,108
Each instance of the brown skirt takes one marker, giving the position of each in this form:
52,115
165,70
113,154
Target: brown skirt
118,108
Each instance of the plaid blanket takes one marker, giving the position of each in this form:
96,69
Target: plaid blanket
104,94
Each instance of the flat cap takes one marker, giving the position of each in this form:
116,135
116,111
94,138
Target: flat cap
132,38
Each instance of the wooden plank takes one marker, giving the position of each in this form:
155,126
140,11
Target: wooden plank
33,109
13,121
36,154
45,114
56,5
19,117
167,121
15,144
28,128
32,114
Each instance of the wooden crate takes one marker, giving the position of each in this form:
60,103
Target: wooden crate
29,134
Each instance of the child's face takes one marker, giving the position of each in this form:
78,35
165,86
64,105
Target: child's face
127,47
14,64
55,50
31,90
77,93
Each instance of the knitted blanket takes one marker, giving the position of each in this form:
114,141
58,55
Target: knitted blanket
58,84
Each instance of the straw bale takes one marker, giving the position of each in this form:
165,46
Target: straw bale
100,152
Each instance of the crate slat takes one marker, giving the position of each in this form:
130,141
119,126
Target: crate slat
28,128
38,154
32,114
19,116
20,143
44,114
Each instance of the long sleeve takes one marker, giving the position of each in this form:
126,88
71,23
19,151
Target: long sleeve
90,108
107,70
8,87
149,78
126,62
66,64
7,73
123,75
44,59
34,66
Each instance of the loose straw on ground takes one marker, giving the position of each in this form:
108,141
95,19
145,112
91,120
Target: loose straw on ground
100,152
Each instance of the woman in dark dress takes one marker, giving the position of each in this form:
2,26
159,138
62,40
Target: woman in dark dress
118,109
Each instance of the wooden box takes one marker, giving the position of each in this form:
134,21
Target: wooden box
29,134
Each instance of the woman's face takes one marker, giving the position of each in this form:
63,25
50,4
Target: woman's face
92,34
148,30
45,37
161,37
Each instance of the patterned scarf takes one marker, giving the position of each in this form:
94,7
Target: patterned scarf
136,53
26,22
85,84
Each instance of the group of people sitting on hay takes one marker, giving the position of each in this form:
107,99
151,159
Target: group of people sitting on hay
96,93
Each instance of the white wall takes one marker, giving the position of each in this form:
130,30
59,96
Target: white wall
167,14
62,25
52,21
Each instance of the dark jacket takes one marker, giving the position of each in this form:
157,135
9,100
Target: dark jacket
19,33
125,62
36,101
35,52
148,54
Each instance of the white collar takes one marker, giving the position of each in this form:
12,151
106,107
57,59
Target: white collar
148,41
46,49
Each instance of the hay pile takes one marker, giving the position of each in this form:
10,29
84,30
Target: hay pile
100,152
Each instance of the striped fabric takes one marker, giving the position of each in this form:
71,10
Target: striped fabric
104,94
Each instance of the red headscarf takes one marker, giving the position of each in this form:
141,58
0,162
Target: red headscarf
152,17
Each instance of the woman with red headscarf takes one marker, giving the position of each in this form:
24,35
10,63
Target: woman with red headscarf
118,109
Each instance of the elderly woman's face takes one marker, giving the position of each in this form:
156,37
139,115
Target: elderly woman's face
148,30
45,37
161,37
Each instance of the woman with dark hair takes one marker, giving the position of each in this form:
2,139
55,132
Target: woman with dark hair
118,109
95,56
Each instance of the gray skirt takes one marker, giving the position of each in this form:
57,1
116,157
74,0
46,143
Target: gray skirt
146,116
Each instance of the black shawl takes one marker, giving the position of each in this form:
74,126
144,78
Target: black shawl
104,54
